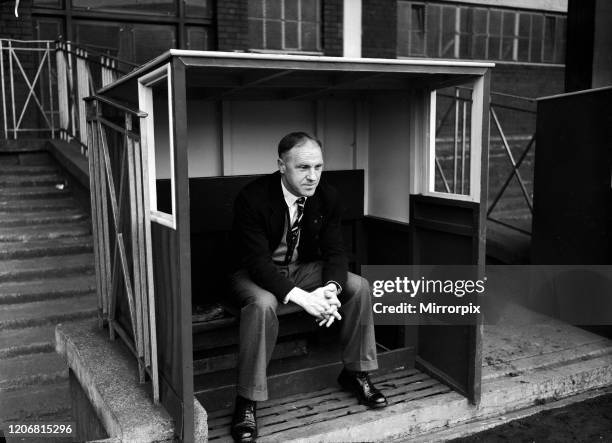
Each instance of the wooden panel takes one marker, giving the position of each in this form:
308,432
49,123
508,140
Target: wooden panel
572,191
167,313
447,232
297,375
216,195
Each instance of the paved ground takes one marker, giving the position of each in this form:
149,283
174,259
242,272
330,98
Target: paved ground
587,421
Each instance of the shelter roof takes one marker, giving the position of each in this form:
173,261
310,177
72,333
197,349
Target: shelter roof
232,75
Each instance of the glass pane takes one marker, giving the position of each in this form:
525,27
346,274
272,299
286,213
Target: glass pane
403,29
509,19
479,48
48,29
524,25
417,27
256,34
256,8
480,21
272,8
291,10
149,7
310,10
549,39
151,40
161,146
448,32
47,3
310,37
273,35
465,43
109,38
433,31
537,26
561,39
465,24
452,145
291,35
523,50
198,8
198,38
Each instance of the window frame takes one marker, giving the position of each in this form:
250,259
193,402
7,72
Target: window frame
470,37
181,21
284,49
145,103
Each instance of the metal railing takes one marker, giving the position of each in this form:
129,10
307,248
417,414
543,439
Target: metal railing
451,159
121,228
44,82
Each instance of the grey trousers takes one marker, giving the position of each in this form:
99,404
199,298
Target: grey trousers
259,325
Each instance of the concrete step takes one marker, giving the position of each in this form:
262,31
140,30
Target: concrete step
27,269
24,315
19,193
22,145
46,289
12,180
35,340
35,205
43,403
24,170
42,218
31,370
40,248
45,232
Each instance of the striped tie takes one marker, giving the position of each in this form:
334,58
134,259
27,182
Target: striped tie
293,234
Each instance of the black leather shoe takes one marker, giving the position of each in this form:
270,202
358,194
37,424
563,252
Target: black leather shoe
360,384
244,422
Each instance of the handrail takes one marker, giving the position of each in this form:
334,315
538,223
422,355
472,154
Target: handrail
136,112
96,52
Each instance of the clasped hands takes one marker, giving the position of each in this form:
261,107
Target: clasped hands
322,303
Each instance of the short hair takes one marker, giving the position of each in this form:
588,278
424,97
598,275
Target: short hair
295,139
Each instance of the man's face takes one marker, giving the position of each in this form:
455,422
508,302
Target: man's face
301,169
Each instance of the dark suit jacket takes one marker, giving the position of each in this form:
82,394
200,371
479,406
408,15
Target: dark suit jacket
259,221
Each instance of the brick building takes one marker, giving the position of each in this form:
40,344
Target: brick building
525,38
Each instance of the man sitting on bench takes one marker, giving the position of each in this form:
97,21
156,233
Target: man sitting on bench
289,248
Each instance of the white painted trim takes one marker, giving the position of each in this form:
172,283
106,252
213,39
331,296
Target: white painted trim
477,114
462,197
145,103
430,158
289,57
419,136
351,28
539,5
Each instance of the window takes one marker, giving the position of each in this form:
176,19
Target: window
429,29
285,25
135,30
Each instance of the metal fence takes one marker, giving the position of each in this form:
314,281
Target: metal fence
511,148
43,84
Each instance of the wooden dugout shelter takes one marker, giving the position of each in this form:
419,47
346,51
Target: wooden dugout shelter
172,142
